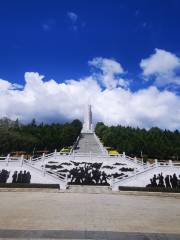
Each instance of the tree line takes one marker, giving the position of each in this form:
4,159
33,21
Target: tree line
152,143
34,137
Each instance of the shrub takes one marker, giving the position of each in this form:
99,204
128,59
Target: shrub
27,185
149,189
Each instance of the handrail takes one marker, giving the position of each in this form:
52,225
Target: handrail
45,156
152,166
30,165
36,159
137,173
74,145
56,175
103,149
46,172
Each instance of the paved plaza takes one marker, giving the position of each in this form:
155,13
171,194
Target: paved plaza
83,215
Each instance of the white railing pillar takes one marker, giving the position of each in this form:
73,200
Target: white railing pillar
30,160
55,153
112,182
22,160
156,162
43,157
170,163
7,159
148,164
64,185
135,159
115,187
43,163
124,155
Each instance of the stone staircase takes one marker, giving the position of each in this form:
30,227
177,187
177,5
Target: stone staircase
89,189
88,144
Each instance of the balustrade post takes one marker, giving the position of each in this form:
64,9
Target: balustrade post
124,155
30,160
55,153
112,182
115,187
43,163
7,159
65,184
22,160
156,162
170,163
135,159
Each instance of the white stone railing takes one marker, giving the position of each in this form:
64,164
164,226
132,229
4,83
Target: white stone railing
74,145
134,160
22,162
117,182
89,157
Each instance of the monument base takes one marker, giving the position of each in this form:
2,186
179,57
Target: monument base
87,131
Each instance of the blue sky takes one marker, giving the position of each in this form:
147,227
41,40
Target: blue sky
130,47
124,30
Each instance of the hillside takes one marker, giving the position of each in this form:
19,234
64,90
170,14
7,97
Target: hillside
153,143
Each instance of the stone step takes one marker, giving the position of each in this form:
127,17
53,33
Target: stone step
87,143
89,189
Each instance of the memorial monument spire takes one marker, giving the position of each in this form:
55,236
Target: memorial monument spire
87,125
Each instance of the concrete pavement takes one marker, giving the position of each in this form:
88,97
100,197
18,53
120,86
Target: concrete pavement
88,216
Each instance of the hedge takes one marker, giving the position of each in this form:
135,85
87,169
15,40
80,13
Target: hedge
149,189
27,185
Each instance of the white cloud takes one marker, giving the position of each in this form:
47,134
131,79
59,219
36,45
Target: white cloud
110,72
162,65
50,101
48,25
75,22
6,85
72,16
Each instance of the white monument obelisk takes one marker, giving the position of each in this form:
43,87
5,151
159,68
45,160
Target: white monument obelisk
87,125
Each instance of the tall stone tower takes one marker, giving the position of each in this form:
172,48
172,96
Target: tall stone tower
87,125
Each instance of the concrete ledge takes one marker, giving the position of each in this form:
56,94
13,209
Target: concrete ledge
72,234
91,190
